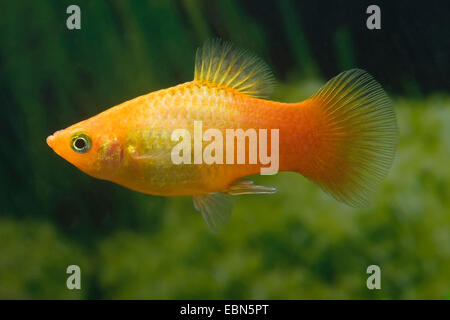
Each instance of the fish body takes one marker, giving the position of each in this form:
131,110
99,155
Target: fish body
343,138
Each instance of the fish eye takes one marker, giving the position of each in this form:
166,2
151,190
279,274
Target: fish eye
80,143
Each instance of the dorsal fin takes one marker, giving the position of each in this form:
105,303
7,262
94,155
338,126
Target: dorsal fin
220,62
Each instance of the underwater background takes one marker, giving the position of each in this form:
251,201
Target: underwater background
297,244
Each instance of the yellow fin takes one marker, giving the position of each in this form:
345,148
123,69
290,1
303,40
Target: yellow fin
215,208
221,63
360,133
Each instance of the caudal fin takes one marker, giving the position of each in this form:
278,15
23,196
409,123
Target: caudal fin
358,136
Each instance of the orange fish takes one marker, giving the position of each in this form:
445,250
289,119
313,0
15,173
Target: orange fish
343,137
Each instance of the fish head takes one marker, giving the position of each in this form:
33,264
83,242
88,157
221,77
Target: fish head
90,147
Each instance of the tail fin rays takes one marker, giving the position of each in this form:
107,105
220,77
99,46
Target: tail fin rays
360,135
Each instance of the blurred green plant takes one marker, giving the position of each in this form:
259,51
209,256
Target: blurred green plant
33,262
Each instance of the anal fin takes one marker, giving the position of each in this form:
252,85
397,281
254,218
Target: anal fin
216,207
248,187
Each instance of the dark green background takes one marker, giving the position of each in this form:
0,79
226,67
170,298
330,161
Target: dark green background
299,243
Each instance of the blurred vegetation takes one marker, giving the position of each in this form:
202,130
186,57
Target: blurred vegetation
299,243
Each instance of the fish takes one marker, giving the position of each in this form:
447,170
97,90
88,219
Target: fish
343,137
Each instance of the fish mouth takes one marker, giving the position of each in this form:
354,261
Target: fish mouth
50,141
